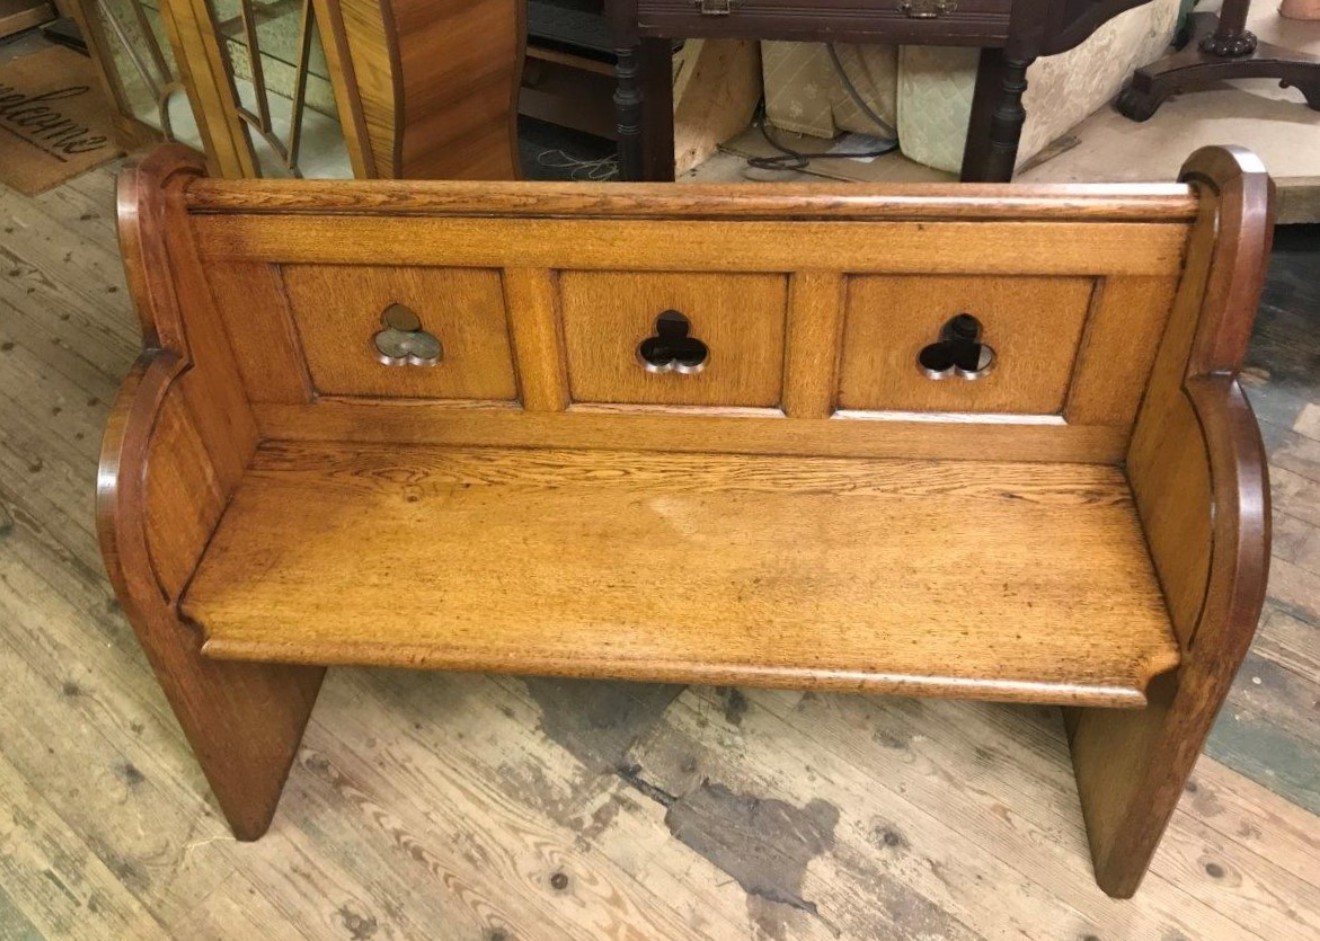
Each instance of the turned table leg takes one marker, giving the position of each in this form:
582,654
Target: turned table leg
628,113
656,74
1221,48
995,127
644,110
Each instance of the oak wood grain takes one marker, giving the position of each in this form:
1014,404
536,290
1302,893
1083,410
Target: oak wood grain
1127,318
740,317
403,774
160,491
437,805
337,313
251,301
532,296
242,720
1173,203
1034,326
815,320
631,244
938,578
1199,476
951,548
428,90
697,429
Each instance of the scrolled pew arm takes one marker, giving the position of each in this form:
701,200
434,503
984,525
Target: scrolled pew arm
1240,512
176,443
121,478
1199,475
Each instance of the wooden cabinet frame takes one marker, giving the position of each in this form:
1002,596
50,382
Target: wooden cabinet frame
423,89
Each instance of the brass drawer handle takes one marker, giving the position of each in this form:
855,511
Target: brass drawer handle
927,9
403,342
671,349
716,7
958,352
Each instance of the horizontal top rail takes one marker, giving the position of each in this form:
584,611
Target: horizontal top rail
1145,202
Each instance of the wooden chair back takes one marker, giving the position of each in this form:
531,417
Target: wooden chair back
814,304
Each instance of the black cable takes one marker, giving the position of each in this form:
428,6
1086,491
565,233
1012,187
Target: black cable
856,96
790,159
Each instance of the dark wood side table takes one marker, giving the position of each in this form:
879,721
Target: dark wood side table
1011,33
1221,48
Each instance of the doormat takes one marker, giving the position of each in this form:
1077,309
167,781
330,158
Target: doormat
53,120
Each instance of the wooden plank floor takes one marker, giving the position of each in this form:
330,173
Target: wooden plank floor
434,806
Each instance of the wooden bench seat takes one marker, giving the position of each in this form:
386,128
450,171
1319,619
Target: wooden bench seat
995,581
981,441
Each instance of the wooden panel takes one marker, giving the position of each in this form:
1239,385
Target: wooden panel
1122,334
533,300
968,22
717,85
740,318
965,580
1198,474
1171,470
374,76
203,68
176,445
351,85
184,497
338,313
750,431
251,303
19,15
1168,462
428,88
1033,324
1174,204
460,64
814,321
1131,770
1062,248
190,448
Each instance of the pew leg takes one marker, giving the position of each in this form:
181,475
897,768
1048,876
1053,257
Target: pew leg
243,720
1132,767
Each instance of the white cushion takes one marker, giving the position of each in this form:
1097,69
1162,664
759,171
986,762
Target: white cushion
803,93
926,91
935,86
